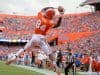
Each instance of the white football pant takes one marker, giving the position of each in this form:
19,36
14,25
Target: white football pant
37,39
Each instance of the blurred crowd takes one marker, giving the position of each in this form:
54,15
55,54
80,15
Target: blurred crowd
22,27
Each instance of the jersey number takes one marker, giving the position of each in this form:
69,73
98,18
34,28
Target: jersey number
41,27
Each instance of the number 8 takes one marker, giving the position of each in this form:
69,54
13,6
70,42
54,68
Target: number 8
38,24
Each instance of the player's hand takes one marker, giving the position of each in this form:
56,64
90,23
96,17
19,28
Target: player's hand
61,9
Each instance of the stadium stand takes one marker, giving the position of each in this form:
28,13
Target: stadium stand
82,31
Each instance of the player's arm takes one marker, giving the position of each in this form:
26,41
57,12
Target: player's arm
61,12
44,9
58,22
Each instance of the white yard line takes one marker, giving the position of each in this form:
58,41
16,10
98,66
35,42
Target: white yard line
44,71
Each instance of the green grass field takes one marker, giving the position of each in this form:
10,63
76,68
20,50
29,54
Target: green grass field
11,70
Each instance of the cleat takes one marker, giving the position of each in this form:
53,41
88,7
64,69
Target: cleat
11,59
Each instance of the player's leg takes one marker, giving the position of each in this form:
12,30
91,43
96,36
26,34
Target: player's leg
14,56
45,46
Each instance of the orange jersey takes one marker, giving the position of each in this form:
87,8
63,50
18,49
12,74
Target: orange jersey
42,24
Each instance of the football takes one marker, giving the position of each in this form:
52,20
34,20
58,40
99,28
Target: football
60,9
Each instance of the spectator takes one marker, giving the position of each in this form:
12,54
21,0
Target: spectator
59,59
33,59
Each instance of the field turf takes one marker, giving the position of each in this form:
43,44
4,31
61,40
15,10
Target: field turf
12,70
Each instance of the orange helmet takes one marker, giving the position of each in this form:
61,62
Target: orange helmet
49,13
